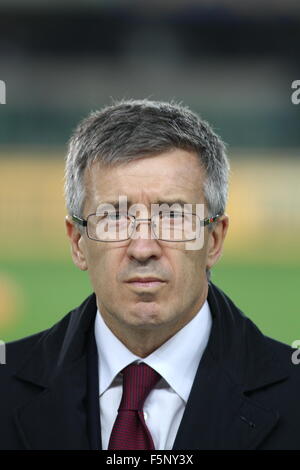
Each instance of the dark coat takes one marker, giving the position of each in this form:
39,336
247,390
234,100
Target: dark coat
245,394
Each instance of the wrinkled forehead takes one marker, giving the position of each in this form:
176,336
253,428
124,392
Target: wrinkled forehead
163,178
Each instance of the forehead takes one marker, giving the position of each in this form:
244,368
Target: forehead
176,174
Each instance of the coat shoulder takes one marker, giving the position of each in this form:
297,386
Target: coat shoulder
18,351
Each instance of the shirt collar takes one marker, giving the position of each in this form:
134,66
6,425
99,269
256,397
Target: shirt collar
176,360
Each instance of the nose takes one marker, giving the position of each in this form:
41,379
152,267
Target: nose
143,247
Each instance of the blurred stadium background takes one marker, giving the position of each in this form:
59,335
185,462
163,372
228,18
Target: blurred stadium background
232,62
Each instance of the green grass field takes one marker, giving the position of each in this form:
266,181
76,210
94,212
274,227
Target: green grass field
48,290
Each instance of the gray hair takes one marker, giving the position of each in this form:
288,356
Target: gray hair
131,129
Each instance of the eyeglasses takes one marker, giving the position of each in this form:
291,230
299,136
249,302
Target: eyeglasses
171,226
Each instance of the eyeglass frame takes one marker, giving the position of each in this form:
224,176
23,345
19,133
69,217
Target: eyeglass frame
84,222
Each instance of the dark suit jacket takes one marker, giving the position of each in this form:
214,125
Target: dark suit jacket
245,394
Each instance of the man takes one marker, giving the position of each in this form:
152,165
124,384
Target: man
157,357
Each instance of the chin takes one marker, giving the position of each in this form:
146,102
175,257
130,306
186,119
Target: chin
145,317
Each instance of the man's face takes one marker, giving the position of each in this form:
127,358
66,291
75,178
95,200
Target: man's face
172,303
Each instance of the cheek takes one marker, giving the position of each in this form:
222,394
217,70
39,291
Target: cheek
193,267
99,268
184,265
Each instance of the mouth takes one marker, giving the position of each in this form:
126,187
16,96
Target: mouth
146,282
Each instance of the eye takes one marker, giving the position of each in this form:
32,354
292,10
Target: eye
172,215
117,216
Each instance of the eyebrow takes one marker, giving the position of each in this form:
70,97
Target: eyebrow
115,203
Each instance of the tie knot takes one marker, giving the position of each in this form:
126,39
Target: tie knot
138,381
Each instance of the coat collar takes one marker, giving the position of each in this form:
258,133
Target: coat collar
219,415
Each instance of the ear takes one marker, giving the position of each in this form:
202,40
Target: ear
215,241
77,244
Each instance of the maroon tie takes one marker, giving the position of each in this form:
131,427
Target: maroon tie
130,431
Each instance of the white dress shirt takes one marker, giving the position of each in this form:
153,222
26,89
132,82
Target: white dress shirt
176,361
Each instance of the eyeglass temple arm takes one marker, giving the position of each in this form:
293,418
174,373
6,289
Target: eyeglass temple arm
210,220
79,221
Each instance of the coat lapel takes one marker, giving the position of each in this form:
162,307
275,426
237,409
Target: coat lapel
219,416
56,417
236,361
